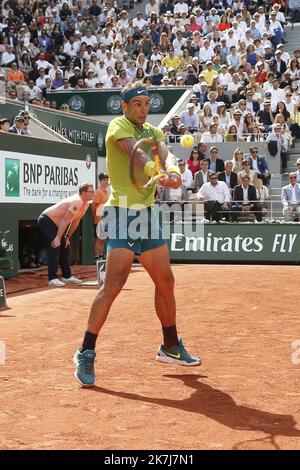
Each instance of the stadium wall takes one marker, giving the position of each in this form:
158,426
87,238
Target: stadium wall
34,174
108,102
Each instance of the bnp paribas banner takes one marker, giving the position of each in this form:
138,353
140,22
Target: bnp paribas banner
39,179
234,242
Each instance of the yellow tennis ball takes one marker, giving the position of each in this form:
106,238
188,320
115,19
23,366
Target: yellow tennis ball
187,140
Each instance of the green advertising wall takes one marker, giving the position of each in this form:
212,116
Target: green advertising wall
78,129
103,102
255,243
11,213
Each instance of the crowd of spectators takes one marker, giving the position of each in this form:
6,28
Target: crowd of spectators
231,52
206,176
208,44
245,85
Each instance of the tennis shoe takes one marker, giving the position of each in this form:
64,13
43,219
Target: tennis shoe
84,362
56,283
71,280
177,355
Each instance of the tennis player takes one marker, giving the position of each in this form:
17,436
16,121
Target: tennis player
147,244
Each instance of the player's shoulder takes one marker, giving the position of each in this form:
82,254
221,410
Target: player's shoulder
147,126
119,123
151,129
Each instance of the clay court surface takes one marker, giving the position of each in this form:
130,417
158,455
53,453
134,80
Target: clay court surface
241,320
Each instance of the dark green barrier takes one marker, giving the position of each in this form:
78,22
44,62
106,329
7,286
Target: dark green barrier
8,244
2,294
235,242
103,102
77,129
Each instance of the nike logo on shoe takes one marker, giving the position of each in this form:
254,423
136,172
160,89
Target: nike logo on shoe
176,356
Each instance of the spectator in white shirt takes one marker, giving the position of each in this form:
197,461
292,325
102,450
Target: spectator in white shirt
139,21
190,118
151,7
213,103
178,43
8,57
290,198
91,80
33,90
285,56
237,121
231,40
237,31
279,15
156,55
276,25
131,70
41,80
247,39
216,197
290,103
106,39
42,63
90,39
186,174
70,48
277,94
110,61
123,21
121,35
106,79
298,170
235,83
94,64
225,77
53,70
234,59
101,52
206,53
181,7
211,136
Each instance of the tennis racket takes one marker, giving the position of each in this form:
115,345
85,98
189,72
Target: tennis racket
137,175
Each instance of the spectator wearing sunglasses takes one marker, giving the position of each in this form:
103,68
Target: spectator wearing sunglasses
26,117
258,163
245,198
216,197
251,173
186,174
215,163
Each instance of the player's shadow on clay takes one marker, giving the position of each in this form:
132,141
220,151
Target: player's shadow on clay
219,406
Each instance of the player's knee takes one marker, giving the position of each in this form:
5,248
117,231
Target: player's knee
114,286
166,282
